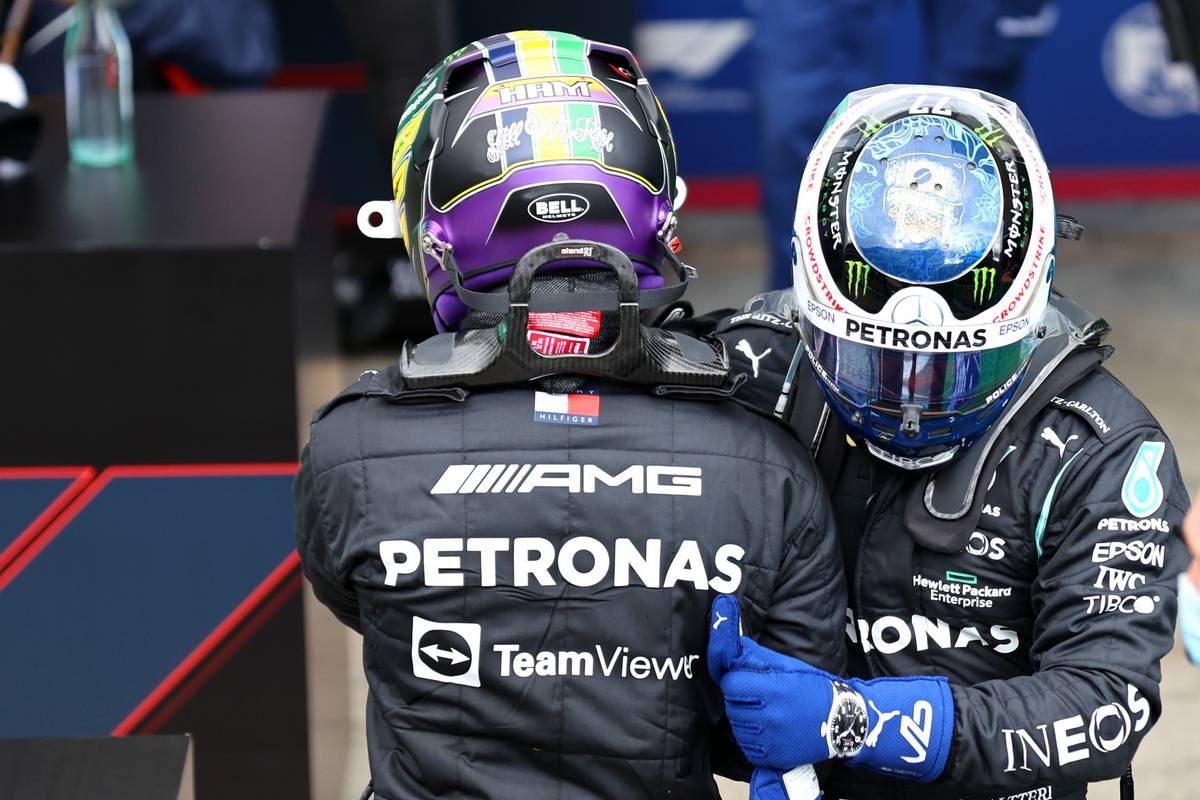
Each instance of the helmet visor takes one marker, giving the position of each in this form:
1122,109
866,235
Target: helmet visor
939,382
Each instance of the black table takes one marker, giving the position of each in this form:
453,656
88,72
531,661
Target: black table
134,768
157,297
152,314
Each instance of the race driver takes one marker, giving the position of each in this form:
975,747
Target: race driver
530,554
1008,511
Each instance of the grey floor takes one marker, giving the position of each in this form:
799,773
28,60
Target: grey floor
1138,266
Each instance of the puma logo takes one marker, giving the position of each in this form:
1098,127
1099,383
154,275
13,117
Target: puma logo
720,618
881,720
1052,437
743,347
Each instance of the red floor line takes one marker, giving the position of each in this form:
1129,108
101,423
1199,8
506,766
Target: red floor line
40,473
196,681
281,573
82,476
39,541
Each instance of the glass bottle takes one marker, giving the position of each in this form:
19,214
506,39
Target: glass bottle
99,84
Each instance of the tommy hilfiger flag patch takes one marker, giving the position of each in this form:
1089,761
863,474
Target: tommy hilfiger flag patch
566,409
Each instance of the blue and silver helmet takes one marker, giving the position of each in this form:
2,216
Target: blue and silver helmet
923,255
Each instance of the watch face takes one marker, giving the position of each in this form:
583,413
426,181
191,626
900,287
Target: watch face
847,726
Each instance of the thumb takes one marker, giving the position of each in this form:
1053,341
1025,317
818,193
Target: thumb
724,635
767,784
796,784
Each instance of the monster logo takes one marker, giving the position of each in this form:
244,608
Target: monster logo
990,134
858,274
984,284
869,125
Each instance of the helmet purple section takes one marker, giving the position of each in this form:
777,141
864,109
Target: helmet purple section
490,230
524,137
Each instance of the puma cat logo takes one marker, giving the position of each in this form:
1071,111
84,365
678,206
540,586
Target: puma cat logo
743,347
1052,437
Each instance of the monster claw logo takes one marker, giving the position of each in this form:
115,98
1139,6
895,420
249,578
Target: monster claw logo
990,135
858,273
984,284
869,125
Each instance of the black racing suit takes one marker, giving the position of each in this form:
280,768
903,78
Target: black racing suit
533,597
1052,621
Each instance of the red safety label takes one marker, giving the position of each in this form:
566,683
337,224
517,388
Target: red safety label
556,344
575,323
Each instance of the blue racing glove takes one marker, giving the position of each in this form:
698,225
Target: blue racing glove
785,713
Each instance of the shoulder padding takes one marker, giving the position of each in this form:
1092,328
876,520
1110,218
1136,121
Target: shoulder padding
389,384
1104,403
356,389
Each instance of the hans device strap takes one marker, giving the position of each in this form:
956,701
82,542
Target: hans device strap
943,509
502,355
566,250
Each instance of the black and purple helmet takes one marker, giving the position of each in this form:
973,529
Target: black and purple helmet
525,137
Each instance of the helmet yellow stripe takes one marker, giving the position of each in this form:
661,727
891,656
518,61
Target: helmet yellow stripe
535,53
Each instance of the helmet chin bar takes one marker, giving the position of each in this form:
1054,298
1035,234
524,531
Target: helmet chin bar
912,464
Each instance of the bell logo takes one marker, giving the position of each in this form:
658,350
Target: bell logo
558,207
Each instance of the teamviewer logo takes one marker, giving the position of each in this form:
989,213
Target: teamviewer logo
446,652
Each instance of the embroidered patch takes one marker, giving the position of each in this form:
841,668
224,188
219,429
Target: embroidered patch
566,409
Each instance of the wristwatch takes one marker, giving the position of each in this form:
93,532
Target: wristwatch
846,728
